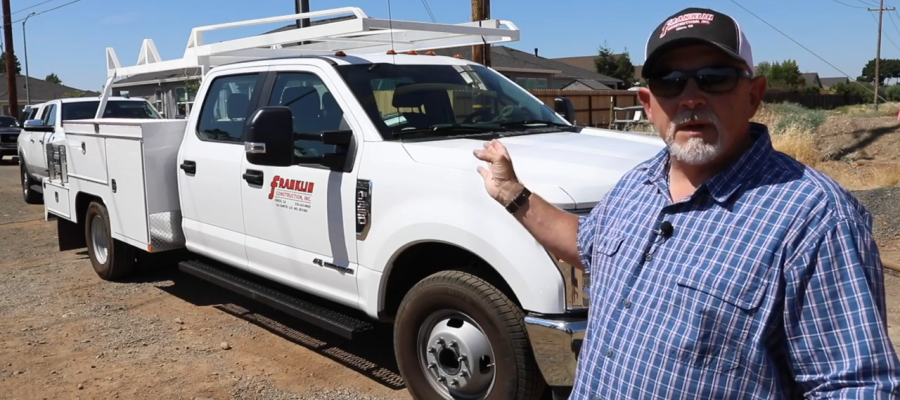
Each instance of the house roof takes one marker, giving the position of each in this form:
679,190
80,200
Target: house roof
828,82
39,89
508,57
587,62
592,84
811,78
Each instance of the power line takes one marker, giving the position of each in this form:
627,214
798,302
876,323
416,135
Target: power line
802,46
848,5
32,6
428,10
44,12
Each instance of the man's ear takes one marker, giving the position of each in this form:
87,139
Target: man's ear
644,96
758,86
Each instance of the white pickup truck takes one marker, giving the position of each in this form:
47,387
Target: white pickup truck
339,186
44,123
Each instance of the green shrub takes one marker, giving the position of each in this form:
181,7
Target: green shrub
792,116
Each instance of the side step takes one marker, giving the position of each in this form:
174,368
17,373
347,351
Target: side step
324,318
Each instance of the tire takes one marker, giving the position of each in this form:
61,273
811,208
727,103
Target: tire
474,313
112,259
30,196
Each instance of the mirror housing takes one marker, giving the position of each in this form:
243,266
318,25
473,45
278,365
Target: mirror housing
269,137
36,125
563,106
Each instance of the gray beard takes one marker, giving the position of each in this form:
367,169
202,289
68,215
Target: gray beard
695,151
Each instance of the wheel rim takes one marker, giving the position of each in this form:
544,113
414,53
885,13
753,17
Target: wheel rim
25,187
456,356
98,239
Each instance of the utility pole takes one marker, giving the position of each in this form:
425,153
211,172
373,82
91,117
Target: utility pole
481,10
881,11
13,96
302,6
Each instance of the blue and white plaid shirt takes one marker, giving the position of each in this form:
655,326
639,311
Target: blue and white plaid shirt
770,286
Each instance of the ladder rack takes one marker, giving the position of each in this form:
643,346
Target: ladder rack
359,35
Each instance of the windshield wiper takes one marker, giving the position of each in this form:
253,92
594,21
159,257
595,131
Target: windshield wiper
443,129
515,124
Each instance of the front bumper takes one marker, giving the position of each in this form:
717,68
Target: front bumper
556,343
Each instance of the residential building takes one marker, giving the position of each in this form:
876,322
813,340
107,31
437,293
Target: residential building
38,90
587,62
811,79
829,82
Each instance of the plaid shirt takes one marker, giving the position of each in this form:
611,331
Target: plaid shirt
770,286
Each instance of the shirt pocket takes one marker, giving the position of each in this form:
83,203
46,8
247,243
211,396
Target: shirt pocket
714,312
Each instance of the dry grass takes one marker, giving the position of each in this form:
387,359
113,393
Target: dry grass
795,132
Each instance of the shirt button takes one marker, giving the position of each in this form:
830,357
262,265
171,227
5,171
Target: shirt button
648,257
627,303
609,353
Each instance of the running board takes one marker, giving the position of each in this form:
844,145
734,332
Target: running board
333,321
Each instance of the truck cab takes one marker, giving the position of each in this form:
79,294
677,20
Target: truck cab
44,123
341,188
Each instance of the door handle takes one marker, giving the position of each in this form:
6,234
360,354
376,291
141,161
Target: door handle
253,176
189,167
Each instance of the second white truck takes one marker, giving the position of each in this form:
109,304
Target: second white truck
335,181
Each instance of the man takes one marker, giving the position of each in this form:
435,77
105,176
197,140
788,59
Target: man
721,268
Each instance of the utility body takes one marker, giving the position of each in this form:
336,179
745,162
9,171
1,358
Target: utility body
334,180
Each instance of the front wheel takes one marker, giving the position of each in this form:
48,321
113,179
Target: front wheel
111,258
29,195
459,337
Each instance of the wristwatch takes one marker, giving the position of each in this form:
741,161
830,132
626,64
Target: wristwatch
518,201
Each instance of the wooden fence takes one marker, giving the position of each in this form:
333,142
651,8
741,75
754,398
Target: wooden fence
592,107
816,101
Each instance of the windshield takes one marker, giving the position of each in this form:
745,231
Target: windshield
114,109
9,122
401,98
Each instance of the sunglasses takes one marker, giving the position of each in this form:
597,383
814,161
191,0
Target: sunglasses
712,80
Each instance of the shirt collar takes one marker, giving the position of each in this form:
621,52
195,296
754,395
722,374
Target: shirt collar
724,184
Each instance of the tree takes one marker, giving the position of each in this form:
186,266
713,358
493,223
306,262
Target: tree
615,65
887,69
783,75
15,62
52,78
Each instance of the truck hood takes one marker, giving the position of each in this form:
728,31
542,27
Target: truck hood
9,131
583,165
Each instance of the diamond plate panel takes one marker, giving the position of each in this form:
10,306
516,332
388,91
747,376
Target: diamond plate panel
165,231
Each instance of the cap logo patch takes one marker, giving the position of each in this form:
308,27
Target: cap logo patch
685,21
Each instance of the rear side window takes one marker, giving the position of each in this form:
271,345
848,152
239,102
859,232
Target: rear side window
226,107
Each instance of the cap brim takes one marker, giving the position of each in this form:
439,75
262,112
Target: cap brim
654,57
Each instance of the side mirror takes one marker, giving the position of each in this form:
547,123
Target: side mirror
36,125
269,137
563,106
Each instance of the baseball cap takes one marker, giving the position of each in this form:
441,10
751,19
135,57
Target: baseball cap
697,25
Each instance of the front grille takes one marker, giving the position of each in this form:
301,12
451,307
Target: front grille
9,138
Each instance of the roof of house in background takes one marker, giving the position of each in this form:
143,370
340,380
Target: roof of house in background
590,83
39,89
828,82
508,57
587,62
811,78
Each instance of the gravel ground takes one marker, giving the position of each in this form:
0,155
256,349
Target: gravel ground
884,204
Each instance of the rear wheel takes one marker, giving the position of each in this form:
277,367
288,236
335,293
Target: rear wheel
111,258
29,195
458,337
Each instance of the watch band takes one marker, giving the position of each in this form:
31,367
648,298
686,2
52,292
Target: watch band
518,201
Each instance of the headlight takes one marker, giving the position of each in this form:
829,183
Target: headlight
577,281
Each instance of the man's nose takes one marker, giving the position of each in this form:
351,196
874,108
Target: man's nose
692,97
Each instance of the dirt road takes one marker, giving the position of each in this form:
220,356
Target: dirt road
66,334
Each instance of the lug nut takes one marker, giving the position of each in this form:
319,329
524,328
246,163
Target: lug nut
432,349
454,382
453,343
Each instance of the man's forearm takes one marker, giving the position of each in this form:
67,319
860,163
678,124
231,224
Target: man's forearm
553,228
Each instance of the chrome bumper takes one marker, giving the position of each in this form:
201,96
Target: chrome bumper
556,344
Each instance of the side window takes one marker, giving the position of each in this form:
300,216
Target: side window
50,115
226,106
313,106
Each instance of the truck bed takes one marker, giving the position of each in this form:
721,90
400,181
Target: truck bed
132,166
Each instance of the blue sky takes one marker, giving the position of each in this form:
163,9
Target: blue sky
70,41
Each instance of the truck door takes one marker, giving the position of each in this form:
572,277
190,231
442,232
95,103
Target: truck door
37,159
209,175
300,220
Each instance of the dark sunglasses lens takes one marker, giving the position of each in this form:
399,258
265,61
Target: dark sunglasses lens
717,81
667,86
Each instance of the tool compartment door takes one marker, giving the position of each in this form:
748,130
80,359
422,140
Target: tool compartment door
128,202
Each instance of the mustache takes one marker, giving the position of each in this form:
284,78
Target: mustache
685,117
